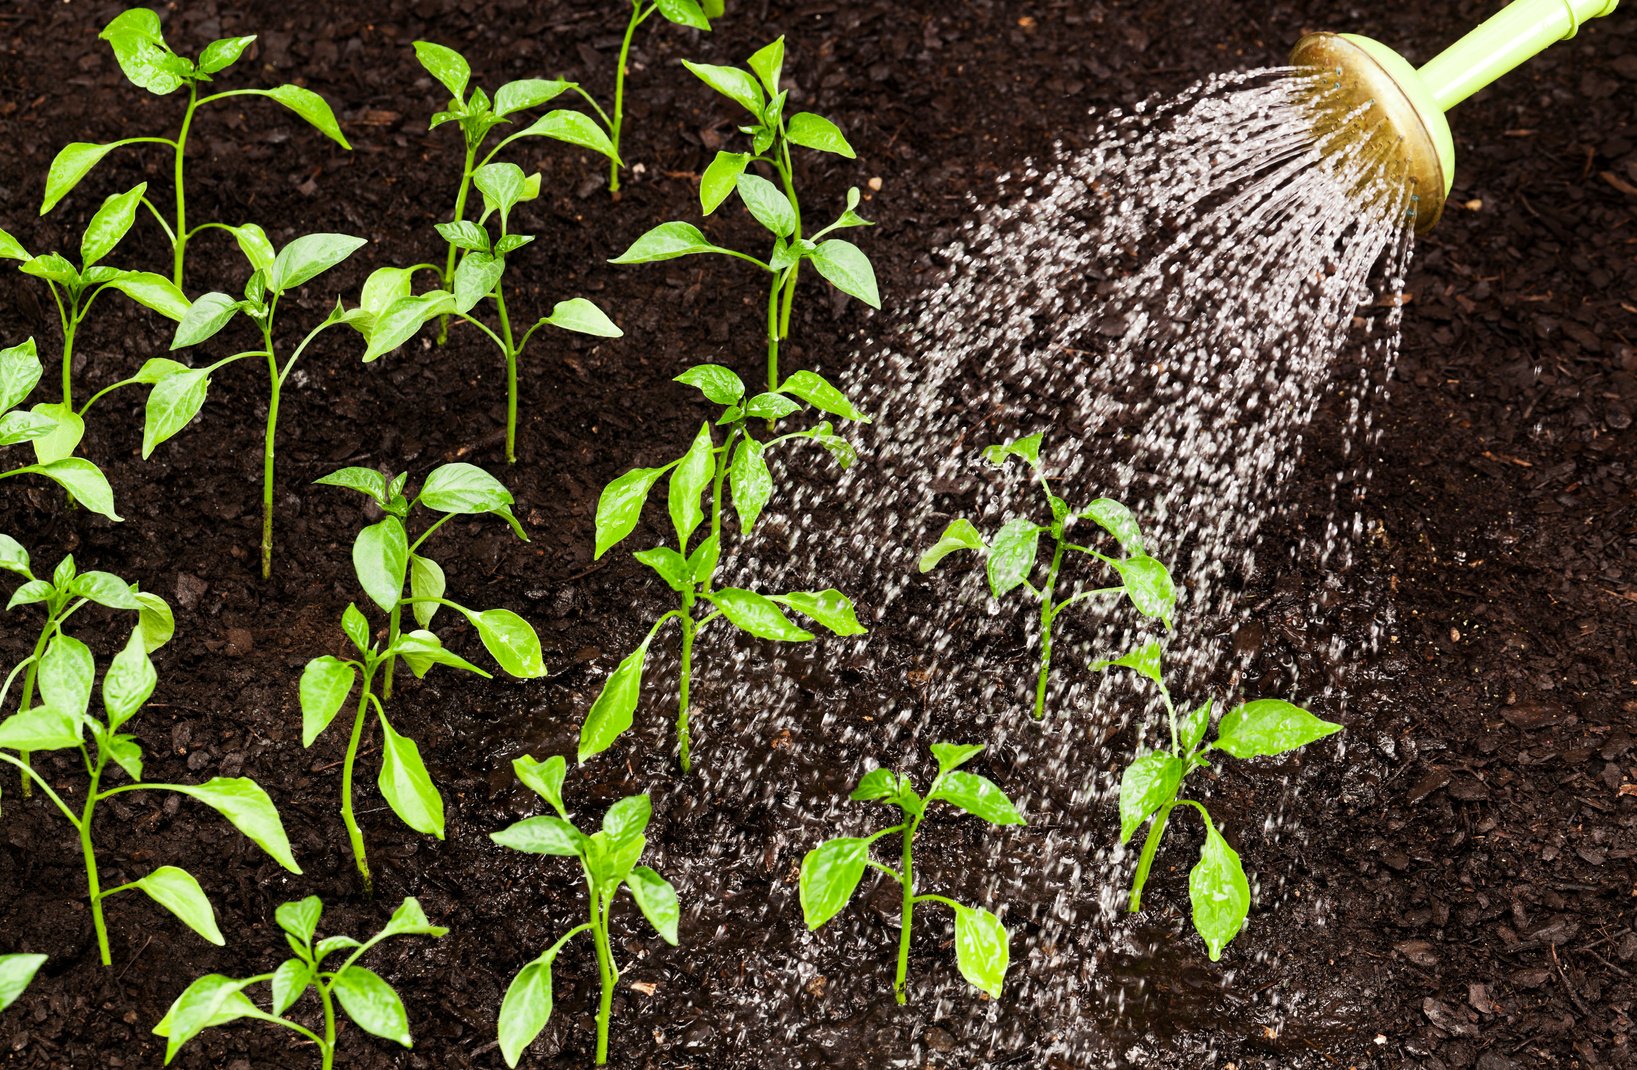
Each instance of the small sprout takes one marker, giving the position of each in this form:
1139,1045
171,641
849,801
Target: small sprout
385,561
831,872
53,431
608,858
690,569
179,391
775,206
363,995
148,62
1013,553
62,721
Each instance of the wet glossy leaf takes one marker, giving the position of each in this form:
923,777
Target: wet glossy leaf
657,900
816,132
721,178
770,406
243,802
816,390
528,93
222,54
669,565
372,1004
627,818
406,785
172,404
208,314
1118,521
1145,661
959,535
875,785
829,607
611,714
313,108
139,46
848,270
620,506
178,892
110,223
308,257
1149,586
768,204
683,13
758,615
1147,784
364,480
1269,726
718,384
982,950
1012,555
355,627
737,85
689,481
1028,449
476,277
1194,727
545,778
463,488
978,796
325,684
542,836
526,1008
446,65
830,874
380,557
1219,892
511,641
666,242
751,482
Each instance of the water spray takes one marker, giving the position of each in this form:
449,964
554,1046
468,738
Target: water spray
1407,105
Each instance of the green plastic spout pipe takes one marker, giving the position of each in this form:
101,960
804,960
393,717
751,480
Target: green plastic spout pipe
1518,33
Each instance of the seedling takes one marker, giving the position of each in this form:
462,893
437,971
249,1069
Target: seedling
16,974
389,316
179,391
831,872
363,996
47,426
841,262
609,860
385,560
75,288
478,115
740,463
148,62
695,15
62,722
1013,552
66,593
1149,788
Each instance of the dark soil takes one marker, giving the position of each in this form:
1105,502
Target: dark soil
1475,845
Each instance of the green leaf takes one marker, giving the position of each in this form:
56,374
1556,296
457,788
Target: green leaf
582,317
875,785
110,223
422,650
671,566
978,796
426,580
526,1008
751,482
127,754
848,270
610,860
331,944
380,557
1118,521
403,319
1012,555
406,785
571,127
410,920
463,488
816,390
770,406
16,972
476,277
542,836
666,242
206,316
446,65
1219,892
20,426
954,755
1147,784
465,234
31,592
528,93
212,1000
41,728
247,807
300,917
611,714
53,268
255,245
768,63
689,481
1269,726
178,892
372,1004
829,607
363,480
325,684
627,818
830,874
172,404
721,178
13,557
620,506
313,108
1145,661
758,615
140,48
982,951
511,641
737,85
657,900
816,132
20,372
308,257
1149,586
355,627
153,291
67,428
67,674
683,13
1194,727
545,778
702,563
768,204
503,185
222,54
959,535
717,383
12,249
1026,448
290,980
129,681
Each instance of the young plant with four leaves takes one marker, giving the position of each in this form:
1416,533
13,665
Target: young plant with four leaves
831,872
20,372
1013,552
62,721
385,560
608,859
777,209
740,464
179,391
1150,787
148,62
363,995
74,289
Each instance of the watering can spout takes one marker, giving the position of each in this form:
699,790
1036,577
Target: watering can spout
1411,103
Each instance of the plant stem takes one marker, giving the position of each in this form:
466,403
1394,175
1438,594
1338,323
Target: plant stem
90,853
689,626
907,918
70,324
511,373
773,336
179,244
1048,611
1156,831
606,970
355,834
787,172
394,629
327,1049
275,382
28,691
460,214
637,15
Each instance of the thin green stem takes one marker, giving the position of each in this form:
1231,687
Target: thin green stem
30,776
394,630
1145,862
637,18
354,833
275,382
511,373
787,172
689,627
1048,612
179,236
773,336
723,460
90,854
606,969
907,917
460,214
943,899
327,1046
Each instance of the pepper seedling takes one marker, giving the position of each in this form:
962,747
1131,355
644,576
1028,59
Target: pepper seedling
385,561
148,62
74,289
608,859
67,672
179,391
361,993
389,315
1150,786
831,872
1013,552
16,974
840,262
45,426
740,464
478,114
694,14
66,593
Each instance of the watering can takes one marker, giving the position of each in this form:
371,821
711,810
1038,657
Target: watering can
1411,103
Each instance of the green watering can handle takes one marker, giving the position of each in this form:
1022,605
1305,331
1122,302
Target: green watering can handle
1517,33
